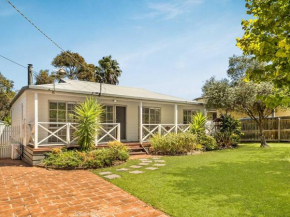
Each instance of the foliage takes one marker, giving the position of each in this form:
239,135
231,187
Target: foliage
173,144
257,100
88,116
266,37
98,158
197,125
110,69
6,96
240,182
71,63
229,132
119,149
218,94
75,67
7,120
208,142
43,77
240,65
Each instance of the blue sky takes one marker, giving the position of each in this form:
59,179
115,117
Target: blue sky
169,47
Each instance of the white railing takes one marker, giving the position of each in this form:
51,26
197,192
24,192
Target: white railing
52,130
61,133
108,132
149,130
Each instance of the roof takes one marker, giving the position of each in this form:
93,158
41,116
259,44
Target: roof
86,87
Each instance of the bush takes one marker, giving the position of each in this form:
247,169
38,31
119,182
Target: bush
98,158
208,142
173,144
229,132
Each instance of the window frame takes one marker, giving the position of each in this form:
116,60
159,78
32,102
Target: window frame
149,115
188,117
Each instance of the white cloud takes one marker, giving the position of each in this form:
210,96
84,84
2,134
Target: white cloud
170,10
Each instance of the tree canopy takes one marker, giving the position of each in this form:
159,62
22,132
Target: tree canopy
6,96
44,77
243,97
267,39
110,69
74,66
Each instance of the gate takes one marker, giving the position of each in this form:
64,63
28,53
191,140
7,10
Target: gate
8,135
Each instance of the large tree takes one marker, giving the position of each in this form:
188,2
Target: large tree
237,95
267,38
6,96
44,77
74,66
109,70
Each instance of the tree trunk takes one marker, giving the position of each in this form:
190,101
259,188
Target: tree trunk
262,136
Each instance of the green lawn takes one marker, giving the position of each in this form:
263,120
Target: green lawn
247,181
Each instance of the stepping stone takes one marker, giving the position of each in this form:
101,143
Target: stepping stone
112,176
159,165
160,161
147,161
143,159
122,169
143,164
151,168
135,166
136,172
156,158
105,173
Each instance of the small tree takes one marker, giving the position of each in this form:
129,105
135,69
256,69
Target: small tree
88,116
197,125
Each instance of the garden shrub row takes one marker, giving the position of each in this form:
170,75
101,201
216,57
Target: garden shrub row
61,158
174,144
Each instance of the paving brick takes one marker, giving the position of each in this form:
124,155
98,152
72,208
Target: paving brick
31,191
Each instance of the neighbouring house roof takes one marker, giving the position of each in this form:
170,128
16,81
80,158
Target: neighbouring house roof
85,87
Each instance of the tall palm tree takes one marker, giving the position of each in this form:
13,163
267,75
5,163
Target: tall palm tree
108,70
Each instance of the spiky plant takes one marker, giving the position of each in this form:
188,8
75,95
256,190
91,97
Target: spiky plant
197,125
88,116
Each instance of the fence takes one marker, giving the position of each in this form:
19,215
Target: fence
276,129
8,135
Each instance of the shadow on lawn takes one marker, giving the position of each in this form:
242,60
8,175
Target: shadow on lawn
258,183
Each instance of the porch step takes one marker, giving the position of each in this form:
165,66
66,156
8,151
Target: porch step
134,148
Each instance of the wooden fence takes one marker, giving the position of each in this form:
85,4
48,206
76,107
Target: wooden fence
276,129
8,135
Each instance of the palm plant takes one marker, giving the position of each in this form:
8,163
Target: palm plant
108,70
197,125
88,116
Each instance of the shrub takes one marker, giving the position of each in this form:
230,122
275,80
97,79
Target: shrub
229,131
208,142
98,158
173,144
120,150
88,116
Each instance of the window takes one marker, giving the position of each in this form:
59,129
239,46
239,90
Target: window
108,116
187,114
151,116
60,112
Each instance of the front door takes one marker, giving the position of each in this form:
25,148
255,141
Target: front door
121,118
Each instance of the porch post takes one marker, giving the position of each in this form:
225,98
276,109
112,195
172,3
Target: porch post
176,117
35,120
140,122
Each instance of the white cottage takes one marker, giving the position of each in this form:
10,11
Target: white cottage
132,115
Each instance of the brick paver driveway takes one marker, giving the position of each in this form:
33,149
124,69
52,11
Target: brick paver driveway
32,191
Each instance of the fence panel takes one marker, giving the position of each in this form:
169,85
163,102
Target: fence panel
8,135
275,129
